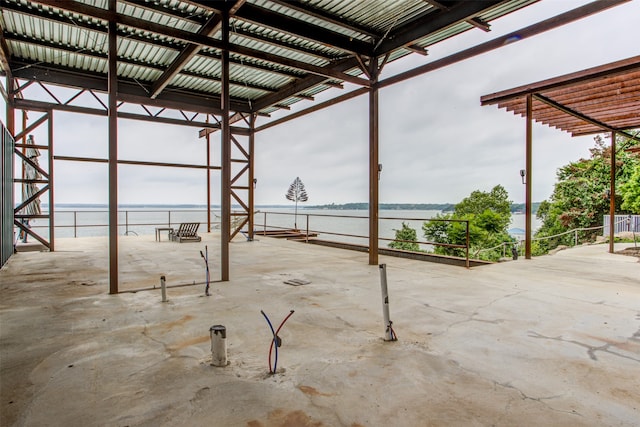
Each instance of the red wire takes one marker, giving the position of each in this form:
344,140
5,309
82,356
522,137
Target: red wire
274,339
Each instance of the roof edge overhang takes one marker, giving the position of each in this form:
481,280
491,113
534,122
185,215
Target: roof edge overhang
590,74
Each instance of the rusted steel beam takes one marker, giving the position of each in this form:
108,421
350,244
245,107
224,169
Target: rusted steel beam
30,232
32,198
167,43
374,165
252,178
313,108
529,31
310,10
31,127
252,13
31,163
523,33
421,27
225,179
134,162
200,102
45,106
612,194
183,57
300,85
52,223
131,61
113,150
199,39
208,151
528,232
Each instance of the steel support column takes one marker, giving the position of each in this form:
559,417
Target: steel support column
252,178
11,106
528,155
225,179
52,224
612,193
208,142
113,152
374,164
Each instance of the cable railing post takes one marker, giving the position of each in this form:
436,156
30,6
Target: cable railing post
169,219
75,224
264,224
126,223
307,236
467,249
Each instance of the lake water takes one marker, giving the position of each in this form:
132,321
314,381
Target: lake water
348,226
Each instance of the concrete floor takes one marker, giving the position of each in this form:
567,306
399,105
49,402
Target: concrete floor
553,341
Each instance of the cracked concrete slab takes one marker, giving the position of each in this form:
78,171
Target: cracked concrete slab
552,341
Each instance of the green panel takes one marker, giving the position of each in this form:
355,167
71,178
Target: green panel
6,197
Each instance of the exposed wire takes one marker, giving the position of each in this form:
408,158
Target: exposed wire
274,337
278,341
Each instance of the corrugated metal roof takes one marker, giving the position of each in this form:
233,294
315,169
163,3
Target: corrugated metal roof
586,102
278,49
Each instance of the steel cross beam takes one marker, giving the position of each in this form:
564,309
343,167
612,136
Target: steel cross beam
462,11
47,179
191,50
199,39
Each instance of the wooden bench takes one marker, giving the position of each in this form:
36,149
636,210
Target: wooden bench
188,231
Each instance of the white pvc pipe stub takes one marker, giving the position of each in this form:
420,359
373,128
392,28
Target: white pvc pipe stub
218,345
163,286
388,331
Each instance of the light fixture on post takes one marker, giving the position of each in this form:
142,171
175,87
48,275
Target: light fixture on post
522,175
379,170
255,182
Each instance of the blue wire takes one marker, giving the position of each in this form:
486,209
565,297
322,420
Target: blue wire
274,338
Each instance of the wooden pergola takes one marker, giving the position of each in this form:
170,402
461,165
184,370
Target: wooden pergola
595,100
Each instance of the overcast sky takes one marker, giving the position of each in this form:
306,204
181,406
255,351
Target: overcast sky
437,144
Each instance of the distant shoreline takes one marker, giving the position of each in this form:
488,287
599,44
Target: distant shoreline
444,207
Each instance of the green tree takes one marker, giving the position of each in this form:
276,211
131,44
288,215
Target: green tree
489,215
406,239
581,194
630,192
496,201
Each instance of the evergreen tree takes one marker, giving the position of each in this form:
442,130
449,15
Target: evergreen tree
297,193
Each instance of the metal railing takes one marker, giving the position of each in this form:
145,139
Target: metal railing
520,244
363,237
348,229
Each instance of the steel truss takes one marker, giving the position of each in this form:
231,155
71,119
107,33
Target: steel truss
20,219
